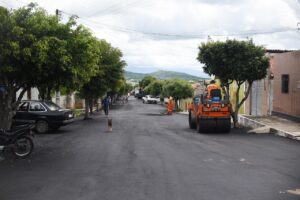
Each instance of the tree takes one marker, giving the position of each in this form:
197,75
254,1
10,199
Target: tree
178,89
18,65
146,81
234,61
39,51
108,76
154,88
125,88
113,65
93,90
69,55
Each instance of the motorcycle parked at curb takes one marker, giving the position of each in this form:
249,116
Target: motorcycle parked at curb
18,140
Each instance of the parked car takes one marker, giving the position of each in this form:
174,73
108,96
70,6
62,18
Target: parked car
46,114
151,99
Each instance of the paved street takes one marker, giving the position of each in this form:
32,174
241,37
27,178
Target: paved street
154,157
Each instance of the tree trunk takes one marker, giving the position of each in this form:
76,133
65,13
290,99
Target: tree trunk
227,93
69,101
236,109
86,114
49,93
6,111
42,92
111,100
91,106
8,105
176,105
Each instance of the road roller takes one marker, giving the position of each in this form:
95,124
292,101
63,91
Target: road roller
209,112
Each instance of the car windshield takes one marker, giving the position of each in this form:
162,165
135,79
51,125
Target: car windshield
52,106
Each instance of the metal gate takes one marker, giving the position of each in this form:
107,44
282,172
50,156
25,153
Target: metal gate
256,98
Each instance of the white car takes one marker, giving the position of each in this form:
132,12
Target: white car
151,99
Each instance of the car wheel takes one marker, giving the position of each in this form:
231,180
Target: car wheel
42,126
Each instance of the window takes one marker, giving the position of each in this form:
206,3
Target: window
285,83
35,106
52,106
23,106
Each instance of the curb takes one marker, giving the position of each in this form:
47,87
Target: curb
259,128
182,113
255,125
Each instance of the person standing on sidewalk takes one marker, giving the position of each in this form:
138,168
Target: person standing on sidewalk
105,105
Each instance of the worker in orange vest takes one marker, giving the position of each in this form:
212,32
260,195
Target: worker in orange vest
170,105
212,85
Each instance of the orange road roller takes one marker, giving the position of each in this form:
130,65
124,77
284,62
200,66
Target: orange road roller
209,113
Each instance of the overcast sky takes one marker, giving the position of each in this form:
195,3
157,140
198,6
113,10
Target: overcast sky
165,34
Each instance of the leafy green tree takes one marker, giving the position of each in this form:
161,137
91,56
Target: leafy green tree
146,81
113,67
93,90
18,64
125,88
234,61
37,50
107,78
154,88
70,56
178,89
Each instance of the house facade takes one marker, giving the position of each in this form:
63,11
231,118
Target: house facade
65,101
279,92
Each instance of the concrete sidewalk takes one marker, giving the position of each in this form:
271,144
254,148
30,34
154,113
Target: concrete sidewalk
272,124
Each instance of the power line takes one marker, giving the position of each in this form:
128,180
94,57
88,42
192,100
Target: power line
183,36
118,10
115,7
5,3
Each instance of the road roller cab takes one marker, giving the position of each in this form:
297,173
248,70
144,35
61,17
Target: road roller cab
209,112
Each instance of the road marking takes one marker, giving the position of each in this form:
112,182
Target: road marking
295,192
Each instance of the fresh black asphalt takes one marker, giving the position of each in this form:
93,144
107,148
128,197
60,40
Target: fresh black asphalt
151,156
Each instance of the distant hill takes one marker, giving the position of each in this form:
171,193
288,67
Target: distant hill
162,75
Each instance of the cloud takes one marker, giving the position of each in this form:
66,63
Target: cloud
157,34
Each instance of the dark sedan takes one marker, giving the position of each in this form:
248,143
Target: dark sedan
46,114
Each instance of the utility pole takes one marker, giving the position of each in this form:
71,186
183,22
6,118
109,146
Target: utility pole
57,93
58,13
209,39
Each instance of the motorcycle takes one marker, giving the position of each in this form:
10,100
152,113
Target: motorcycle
18,140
